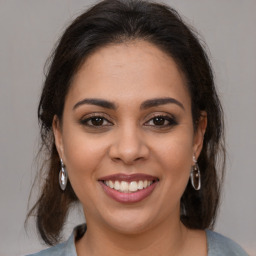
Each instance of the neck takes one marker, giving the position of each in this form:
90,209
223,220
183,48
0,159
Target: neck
167,238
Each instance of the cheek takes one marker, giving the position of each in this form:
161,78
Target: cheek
175,157
83,156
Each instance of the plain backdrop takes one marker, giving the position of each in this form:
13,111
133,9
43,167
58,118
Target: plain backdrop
28,32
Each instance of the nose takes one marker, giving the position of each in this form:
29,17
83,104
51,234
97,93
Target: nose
129,146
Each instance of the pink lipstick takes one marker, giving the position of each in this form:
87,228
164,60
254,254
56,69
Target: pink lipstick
128,188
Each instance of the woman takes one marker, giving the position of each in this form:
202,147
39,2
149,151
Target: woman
133,125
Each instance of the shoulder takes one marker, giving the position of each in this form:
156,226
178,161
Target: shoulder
219,245
64,249
67,248
54,251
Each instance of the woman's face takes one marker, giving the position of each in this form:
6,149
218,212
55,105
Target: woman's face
127,137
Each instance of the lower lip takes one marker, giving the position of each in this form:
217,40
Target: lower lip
133,197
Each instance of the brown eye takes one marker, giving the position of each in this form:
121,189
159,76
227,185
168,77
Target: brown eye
97,121
159,120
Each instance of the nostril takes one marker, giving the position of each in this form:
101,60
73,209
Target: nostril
128,149
127,160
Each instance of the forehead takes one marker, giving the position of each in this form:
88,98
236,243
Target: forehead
129,70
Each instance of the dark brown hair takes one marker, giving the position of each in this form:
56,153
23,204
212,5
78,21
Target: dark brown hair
117,21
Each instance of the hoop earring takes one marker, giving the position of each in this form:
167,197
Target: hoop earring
63,176
195,176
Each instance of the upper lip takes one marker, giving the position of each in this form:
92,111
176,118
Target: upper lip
129,177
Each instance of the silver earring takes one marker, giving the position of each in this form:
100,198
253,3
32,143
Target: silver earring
195,176
63,176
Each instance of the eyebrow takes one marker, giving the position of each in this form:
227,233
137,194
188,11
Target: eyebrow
160,101
145,105
97,102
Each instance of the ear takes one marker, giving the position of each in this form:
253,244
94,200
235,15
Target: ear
199,134
57,132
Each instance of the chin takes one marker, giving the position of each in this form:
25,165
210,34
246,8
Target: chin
129,222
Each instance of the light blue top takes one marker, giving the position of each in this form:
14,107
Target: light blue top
217,244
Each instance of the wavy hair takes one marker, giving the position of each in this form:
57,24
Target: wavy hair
118,21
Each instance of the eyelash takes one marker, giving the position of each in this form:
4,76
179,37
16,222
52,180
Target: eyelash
171,121
95,117
101,119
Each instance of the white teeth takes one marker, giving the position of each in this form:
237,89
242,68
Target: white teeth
129,187
140,184
133,186
116,185
124,186
111,184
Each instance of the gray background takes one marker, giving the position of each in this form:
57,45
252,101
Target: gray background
28,31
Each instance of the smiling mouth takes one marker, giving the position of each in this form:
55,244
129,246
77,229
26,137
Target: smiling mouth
128,187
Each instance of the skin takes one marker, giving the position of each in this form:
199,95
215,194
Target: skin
130,140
